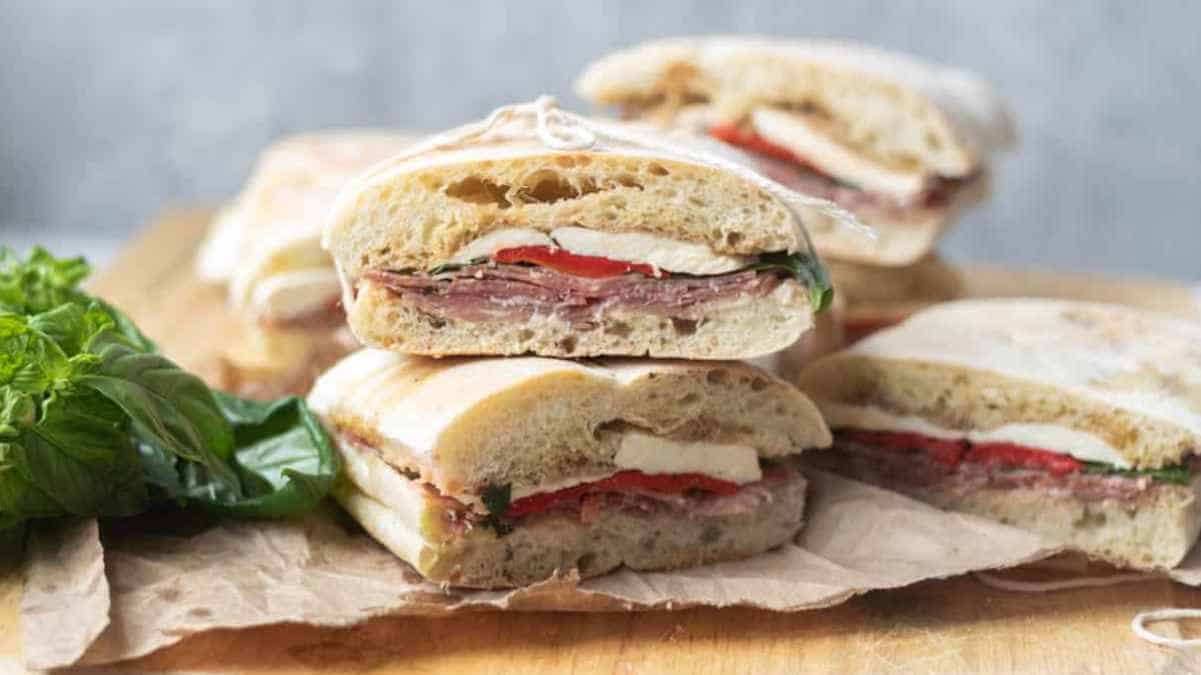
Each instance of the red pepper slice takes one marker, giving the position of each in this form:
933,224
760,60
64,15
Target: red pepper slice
941,450
952,452
567,262
622,481
749,140
1011,454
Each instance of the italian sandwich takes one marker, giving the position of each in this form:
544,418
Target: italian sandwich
1078,421
266,244
539,231
265,247
878,297
905,145
500,472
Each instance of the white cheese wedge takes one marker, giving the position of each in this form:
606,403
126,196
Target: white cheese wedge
808,141
519,491
636,247
650,454
655,454
666,254
383,498
499,240
292,295
1079,444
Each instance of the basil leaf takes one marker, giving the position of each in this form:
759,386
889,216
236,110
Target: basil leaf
1179,474
19,496
807,269
94,422
285,459
168,407
42,283
496,498
76,458
444,268
39,283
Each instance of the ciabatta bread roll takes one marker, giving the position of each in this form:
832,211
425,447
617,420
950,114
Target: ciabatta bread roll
902,143
502,472
1076,420
542,232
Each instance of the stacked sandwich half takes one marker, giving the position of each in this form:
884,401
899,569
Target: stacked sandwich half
905,145
471,260
265,247
1078,421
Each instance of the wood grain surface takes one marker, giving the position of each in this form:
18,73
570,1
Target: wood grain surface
953,626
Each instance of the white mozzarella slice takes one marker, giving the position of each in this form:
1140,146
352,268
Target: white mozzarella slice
499,240
655,454
292,295
811,143
636,247
1053,438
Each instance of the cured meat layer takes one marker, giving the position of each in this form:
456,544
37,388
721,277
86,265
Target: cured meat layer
498,291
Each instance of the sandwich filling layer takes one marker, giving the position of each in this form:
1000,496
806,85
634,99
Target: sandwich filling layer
892,196
578,274
909,459
507,291
725,488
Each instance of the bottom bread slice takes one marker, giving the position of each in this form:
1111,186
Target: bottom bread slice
1150,528
412,521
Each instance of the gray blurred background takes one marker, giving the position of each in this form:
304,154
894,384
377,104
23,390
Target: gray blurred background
111,111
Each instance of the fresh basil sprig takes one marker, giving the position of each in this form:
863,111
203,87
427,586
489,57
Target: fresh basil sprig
807,269
497,499
1178,474
95,422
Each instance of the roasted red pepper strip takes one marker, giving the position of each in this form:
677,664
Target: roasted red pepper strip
623,481
941,450
1011,454
749,140
571,263
951,452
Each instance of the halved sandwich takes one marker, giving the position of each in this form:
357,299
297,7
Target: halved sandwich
501,472
543,232
902,144
281,283
1079,421
878,297
267,244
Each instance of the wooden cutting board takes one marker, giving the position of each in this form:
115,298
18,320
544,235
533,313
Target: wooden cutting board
956,625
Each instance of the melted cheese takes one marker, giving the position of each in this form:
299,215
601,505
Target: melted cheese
666,254
654,454
487,245
1051,437
650,454
636,247
292,295
388,505
811,143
